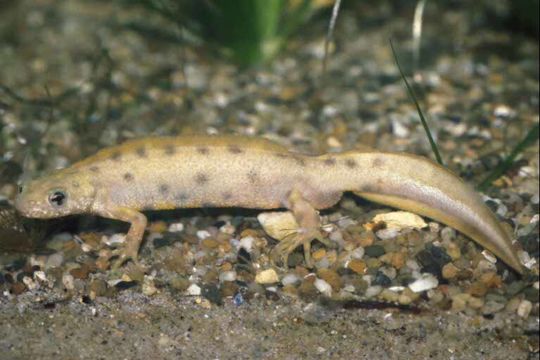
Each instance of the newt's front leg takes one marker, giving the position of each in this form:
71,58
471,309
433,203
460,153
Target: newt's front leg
134,236
309,229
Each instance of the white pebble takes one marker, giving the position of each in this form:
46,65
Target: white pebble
227,276
176,227
247,243
336,236
40,276
385,234
413,265
55,260
30,284
323,287
148,286
489,257
114,239
227,229
373,291
390,272
425,282
193,290
203,234
524,308
526,259
68,281
358,253
290,279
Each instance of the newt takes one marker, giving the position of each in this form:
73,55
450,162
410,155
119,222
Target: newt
159,173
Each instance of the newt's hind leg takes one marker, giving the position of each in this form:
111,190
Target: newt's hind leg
309,229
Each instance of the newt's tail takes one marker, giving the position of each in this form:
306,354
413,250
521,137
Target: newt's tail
416,184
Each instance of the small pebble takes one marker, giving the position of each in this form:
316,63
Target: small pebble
318,255
323,287
194,290
246,243
374,251
176,227
290,279
55,260
114,240
491,307
358,266
97,288
425,282
17,288
524,309
203,234
268,276
386,234
68,281
358,253
331,277
373,291
148,286
227,276
449,271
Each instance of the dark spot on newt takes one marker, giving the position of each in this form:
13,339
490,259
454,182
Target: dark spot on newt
170,149
351,163
282,156
203,150
94,169
378,162
201,178
235,149
226,195
182,197
141,151
252,176
75,184
330,162
116,156
128,176
163,189
368,188
301,162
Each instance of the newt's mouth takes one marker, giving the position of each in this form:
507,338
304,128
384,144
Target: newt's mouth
29,208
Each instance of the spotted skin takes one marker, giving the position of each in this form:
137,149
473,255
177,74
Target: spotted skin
229,171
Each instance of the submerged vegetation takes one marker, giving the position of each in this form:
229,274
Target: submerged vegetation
247,31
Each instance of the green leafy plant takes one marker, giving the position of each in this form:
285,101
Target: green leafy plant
247,31
508,161
432,142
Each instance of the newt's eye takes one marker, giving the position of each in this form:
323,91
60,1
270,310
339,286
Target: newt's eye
57,198
20,189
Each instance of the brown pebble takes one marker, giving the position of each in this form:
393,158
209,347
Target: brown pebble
331,277
449,271
307,289
290,290
17,288
180,283
358,266
477,289
97,288
80,272
491,280
228,288
366,239
319,254
209,243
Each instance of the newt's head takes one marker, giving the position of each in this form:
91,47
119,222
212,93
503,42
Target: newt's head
64,192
